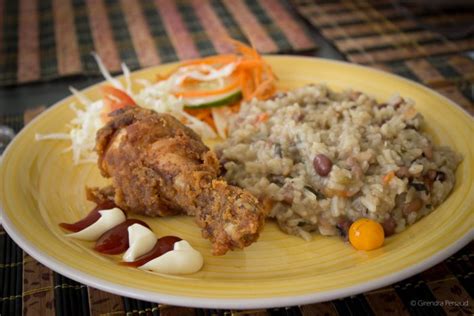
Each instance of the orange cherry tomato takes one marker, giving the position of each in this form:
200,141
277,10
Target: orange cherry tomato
366,234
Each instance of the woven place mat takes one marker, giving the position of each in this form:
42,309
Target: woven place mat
433,46
46,39
29,288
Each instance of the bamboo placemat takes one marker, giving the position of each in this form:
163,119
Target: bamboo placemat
29,288
46,39
428,44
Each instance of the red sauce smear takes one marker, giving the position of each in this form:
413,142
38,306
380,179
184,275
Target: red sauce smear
90,219
115,240
162,246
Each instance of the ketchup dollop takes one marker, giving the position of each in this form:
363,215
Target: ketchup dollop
115,240
90,219
162,246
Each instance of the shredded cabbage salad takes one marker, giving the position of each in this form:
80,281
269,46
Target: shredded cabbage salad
203,94
155,96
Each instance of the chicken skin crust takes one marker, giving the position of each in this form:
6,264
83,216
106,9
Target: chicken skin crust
160,167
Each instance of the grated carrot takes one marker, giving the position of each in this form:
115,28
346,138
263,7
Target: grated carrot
388,177
204,115
252,75
263,89
262,117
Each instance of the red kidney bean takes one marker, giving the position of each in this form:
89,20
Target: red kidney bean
434,175
414,206
429,177
322,165
402,172
288,196
431,174
428,152
389,226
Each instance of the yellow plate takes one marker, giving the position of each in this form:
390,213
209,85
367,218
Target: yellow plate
40,188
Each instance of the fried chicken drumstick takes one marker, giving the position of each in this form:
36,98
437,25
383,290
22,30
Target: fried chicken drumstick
160,167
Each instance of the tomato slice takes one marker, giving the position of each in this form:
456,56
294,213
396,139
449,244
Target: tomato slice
121,97
90,219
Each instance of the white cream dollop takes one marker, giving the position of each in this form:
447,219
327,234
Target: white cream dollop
141,241
108,219
183,259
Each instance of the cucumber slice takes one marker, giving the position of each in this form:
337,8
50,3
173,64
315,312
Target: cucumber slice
214,101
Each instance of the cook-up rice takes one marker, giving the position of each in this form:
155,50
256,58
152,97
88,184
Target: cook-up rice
373,160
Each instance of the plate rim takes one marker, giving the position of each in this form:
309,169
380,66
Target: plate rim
225,303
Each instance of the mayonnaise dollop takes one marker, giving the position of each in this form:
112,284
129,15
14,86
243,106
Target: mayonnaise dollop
108,219
183,259
141,241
